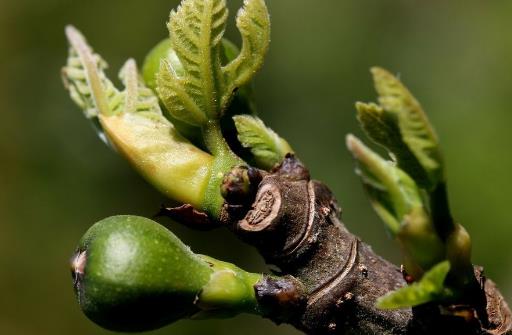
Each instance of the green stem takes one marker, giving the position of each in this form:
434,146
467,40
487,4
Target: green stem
440,211
457,241
229,291
224,161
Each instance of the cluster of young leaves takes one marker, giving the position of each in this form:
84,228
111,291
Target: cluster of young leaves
197,87
399,124
408,189
198,74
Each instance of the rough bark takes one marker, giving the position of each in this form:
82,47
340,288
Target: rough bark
333,277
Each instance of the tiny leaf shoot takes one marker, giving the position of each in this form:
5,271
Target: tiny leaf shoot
415,128
392,192
429,288
266,146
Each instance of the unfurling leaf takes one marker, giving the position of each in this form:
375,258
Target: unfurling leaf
429,288
180,103
195,29
86,80
151,143
84,77
253,21
204,88
242,101
382,127
133,123
415,129
266,146
392,192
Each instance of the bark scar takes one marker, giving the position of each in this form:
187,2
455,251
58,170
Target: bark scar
309,227
265,210
338,278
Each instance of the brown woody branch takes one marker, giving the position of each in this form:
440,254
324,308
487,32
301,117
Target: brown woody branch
333,279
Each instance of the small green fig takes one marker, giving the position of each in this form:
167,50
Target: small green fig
163,51
132,274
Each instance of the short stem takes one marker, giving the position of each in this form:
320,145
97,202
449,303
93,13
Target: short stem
224,160
458,242
230,290
440,211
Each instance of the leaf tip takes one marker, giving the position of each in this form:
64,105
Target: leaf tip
359,105
70,31
353,144
379,72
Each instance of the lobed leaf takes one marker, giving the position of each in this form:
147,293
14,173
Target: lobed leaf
266,146
90,88
429,288
196,29
204,88
176,99
84,77
253,22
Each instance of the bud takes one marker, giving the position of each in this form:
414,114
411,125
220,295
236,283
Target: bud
421,246
458,252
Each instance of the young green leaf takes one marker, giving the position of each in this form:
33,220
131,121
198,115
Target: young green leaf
266,146
133,122
392,192
253,21
381,126
151,143
84,77
429,288
196,29
243,99
415,129
204,89
86,80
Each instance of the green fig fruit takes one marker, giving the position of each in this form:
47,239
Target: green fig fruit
132,274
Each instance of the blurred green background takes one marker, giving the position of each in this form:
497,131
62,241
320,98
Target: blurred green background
57,178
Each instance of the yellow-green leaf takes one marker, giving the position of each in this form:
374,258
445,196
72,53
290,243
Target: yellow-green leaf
392,192
196,29
135,126
180,104
266,146
415,128
381,126
430,288
253,22
84,77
